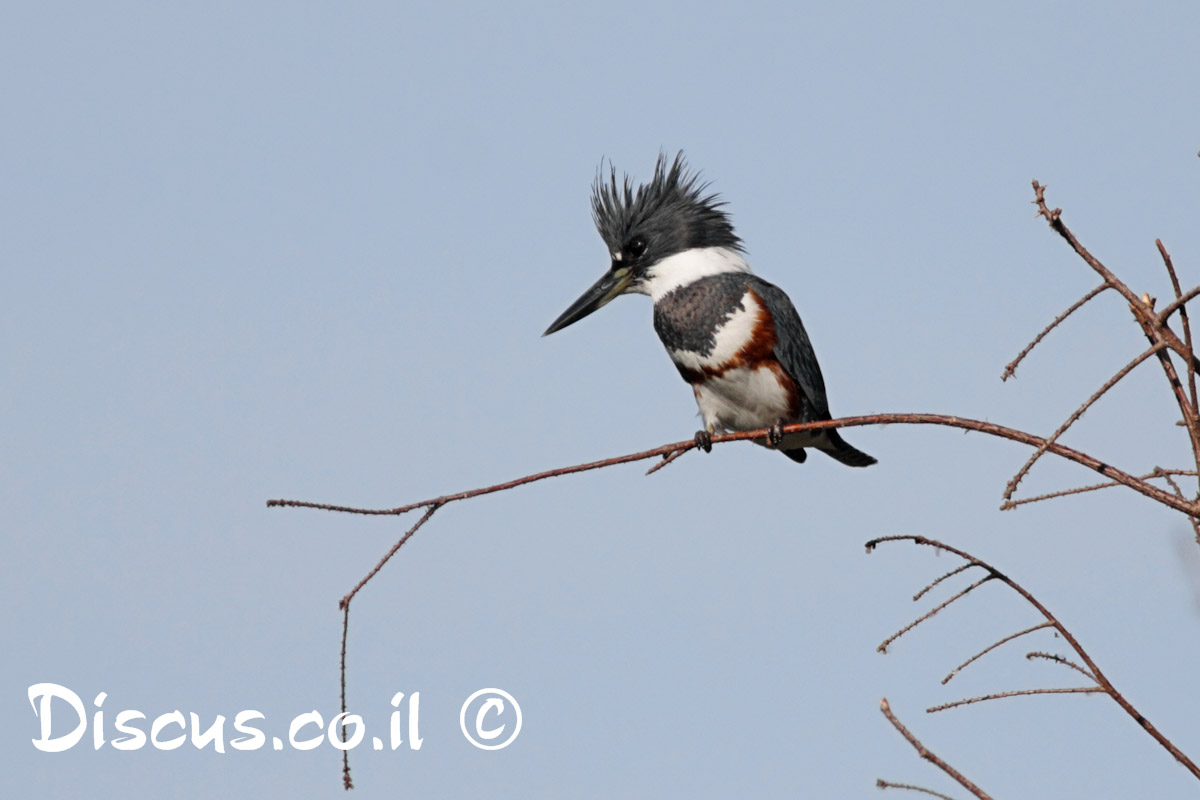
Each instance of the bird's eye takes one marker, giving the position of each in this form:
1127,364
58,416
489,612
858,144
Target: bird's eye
636,247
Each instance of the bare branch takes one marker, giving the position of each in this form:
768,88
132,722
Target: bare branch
1055,219
344,605
1186,409
938,580
345,601
1191,508
1061,660
880,783
928,755
1166,474
1189,404
664,450
1019,693
1158,472
667,459
347,782
888,641
992,647
1011,369
1181,298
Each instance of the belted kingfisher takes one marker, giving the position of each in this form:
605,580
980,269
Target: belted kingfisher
734,337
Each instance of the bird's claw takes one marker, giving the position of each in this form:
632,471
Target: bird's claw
775,434
704,441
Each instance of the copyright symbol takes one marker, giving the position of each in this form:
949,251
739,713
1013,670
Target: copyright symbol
492,712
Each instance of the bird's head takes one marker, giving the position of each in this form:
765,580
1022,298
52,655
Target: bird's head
668,216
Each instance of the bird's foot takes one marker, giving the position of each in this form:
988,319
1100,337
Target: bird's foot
704,441
775,434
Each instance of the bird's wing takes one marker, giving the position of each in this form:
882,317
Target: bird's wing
793,349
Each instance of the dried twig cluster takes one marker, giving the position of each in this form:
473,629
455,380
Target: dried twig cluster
1165,345
1164,342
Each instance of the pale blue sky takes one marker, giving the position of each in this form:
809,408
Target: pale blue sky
253,251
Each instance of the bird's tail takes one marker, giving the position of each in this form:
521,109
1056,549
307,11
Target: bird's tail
839,448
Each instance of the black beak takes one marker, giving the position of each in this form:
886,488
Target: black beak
612,284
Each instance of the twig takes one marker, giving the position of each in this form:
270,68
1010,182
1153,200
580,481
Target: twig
1066,662
344,605
939,579
664,450
1190,405
1186,408
1011,369
666,460
347,782
880,783
1181,299
929,756
1166,474
1157,473
1019,693
992,647
1174,486
882,648
345,601
1055,219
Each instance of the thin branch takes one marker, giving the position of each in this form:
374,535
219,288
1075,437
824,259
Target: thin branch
992,647
1019,693
345,601
1011,369
1192,508
344,605
1079,412
1190,405
888,641
666,460
1186,408
1157,473
929,756
1055,219
939,579
1181,298
1066,662
880,783
1171,482
347,782
664,450
1166,474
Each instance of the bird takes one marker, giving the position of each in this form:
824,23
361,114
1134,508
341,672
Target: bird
734,337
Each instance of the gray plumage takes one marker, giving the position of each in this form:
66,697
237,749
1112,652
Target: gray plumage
687,318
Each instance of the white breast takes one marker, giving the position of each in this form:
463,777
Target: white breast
742,399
